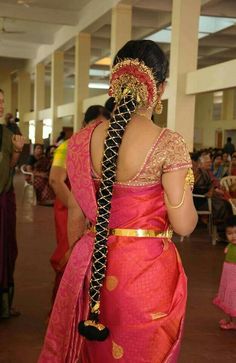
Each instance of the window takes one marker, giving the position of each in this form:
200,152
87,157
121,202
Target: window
32,131
217,106
47,128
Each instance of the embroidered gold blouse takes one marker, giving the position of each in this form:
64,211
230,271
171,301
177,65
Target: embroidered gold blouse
168,153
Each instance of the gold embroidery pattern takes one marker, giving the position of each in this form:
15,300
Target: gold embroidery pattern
111,282
169,153
158,315
117,351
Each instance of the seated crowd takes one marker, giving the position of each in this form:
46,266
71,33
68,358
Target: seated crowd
40,162
210,166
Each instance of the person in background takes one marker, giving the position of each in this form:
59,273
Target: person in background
11,124
226,296
44,193
10,148
46,142
94,113
60,183
217,167
226,164
124,275
233,164
229,148
110,104
206,184
61,138
35,157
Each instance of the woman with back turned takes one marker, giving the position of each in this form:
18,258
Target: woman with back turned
123,294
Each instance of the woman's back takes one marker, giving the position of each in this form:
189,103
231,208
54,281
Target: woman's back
139,138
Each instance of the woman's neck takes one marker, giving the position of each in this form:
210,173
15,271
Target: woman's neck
144,112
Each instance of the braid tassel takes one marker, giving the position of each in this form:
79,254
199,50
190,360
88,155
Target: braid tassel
92,329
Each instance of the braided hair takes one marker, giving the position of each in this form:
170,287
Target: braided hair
128,99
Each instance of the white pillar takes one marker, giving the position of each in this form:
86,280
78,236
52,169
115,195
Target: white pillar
6,86
183,59
228,104
24,100
121,27
39,100
14,96
57,90
82,65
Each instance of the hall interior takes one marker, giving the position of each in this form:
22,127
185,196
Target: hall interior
55,61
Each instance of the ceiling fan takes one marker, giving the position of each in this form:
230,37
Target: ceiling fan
3,30
25,3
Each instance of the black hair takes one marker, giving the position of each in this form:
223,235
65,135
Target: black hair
195,156
153,57
148,52
110,104
230,222
229,139
61,136
94,112
35,145
1,91
216,156
48,150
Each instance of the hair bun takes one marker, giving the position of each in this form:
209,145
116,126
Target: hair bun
132,77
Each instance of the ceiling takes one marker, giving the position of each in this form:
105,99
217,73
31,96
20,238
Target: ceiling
38,21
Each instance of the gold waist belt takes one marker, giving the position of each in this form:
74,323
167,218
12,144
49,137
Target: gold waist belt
125,232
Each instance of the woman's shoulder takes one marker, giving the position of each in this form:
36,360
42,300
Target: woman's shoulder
176,154
83,134
172,135
170,140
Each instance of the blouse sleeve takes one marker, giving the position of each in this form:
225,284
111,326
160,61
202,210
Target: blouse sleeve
59,158
176,154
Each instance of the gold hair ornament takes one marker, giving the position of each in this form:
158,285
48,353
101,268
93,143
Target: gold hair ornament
133,77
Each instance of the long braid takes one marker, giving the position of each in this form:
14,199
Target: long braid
90,328
139,67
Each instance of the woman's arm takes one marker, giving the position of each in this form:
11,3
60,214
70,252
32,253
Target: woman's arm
18,142
179,202
76,221
57,178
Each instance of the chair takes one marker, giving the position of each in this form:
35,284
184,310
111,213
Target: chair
211,227
226,183
28,184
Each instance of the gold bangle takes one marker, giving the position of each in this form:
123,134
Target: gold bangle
189,180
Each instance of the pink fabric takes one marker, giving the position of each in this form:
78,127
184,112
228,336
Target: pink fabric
226,297
143,279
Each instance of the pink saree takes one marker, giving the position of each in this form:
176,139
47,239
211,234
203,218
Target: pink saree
144,294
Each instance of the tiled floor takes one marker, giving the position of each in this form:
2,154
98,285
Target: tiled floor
21,338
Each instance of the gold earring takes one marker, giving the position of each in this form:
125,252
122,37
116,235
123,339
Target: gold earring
159,107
